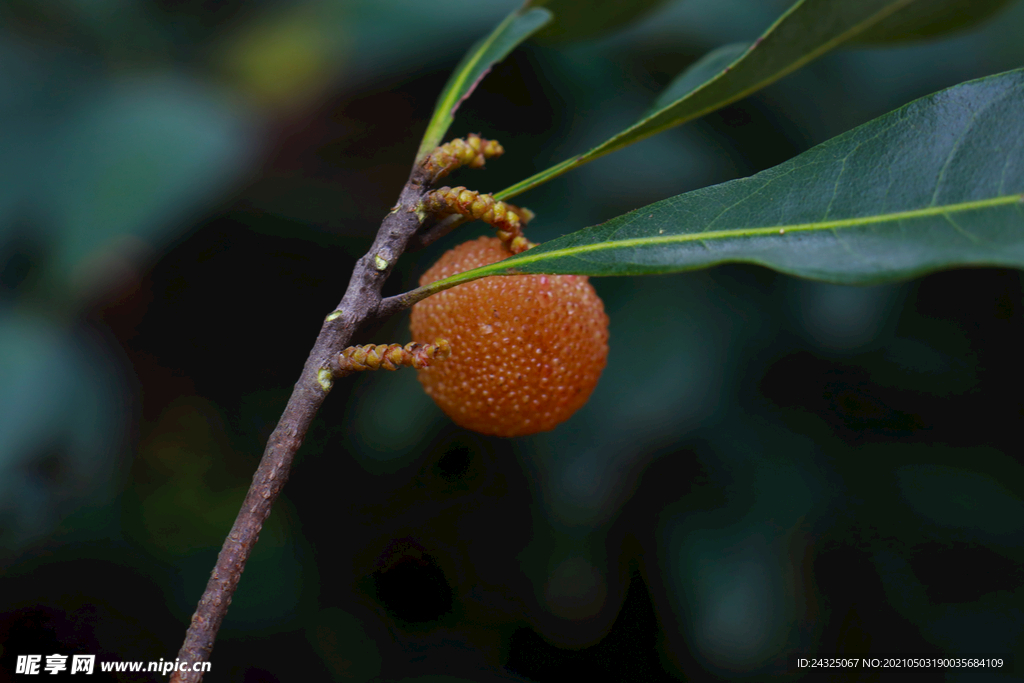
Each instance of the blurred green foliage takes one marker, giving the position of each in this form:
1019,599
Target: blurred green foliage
768,465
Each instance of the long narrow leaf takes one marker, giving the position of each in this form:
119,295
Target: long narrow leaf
930,18
586,19
806,31
938,183
700,72
515,28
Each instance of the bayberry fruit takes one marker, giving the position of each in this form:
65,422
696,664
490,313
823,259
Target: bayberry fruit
526,350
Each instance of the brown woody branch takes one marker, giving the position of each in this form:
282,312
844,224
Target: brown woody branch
359,311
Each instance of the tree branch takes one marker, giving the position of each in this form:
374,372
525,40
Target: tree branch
360,310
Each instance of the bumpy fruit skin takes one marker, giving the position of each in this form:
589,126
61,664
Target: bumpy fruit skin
527,350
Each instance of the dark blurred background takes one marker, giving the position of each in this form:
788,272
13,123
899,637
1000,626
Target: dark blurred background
768,465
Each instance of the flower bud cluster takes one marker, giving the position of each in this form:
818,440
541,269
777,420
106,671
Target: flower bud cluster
508,219
391,356
473,152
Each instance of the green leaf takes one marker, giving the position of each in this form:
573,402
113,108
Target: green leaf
697,74
929,18
585,19
807,30
514,29
938,183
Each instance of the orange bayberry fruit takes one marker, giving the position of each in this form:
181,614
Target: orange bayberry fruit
526,350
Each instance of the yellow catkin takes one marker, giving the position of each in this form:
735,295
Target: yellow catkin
473,152
508,219
391,356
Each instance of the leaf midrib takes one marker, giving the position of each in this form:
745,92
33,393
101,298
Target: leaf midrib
760,231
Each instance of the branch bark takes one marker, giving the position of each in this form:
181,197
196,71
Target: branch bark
360,309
